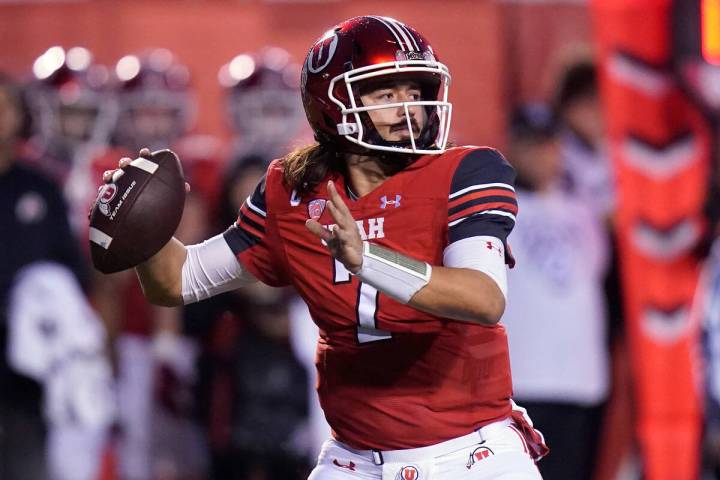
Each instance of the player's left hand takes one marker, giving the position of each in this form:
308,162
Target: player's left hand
343,239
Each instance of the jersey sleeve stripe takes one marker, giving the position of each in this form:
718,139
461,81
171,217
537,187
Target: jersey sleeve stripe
245,211
481,197
250,222
253,228
492,192
473,209
255,208
484,212
483,201
240,239
482,186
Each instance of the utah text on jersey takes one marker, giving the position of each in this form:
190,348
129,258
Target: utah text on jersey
375,228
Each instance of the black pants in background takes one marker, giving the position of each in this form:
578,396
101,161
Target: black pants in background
22,444
572,433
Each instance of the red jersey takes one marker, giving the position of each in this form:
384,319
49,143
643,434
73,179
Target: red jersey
391,377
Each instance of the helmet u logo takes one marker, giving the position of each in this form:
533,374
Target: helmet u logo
325,50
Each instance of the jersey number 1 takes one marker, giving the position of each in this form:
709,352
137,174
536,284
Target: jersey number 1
366,307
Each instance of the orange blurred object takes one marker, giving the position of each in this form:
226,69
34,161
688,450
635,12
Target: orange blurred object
710,17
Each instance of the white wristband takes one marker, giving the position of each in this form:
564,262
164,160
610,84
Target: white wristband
392,273
211,268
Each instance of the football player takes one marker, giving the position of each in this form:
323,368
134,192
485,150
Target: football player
73,112
398,245
262,104
156,108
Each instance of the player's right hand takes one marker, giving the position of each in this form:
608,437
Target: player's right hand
343,239
110,176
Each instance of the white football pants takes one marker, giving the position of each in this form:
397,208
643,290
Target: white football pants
495,452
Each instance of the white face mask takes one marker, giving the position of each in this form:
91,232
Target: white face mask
354,130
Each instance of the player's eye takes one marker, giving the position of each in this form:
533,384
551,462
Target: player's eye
385,95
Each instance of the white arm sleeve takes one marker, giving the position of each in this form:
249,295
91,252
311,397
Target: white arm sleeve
483,253
211,268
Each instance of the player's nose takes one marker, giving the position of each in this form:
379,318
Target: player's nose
404,110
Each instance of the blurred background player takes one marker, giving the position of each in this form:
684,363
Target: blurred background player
262,104
156,104
157,108
74,113
156,362
557,325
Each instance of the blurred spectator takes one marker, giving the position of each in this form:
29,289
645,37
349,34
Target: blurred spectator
588,172
589,175
557,329
33,206
263,104
247,369
270,404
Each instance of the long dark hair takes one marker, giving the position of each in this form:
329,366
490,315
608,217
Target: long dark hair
305,167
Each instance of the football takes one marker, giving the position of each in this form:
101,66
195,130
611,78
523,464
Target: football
136,215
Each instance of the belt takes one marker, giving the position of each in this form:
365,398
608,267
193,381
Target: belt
424,453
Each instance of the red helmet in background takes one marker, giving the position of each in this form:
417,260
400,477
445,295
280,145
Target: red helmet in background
365,49
263,105
156,107
70,100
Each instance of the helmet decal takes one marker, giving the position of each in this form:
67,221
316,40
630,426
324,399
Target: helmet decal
330,41
402,35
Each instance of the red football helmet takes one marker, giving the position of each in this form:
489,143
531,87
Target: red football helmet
262,97
156,105
361,50
70,100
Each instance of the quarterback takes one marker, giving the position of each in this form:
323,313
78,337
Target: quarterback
398,245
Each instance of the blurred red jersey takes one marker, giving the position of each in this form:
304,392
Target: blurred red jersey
391,377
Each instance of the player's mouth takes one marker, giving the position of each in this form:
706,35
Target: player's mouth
403,127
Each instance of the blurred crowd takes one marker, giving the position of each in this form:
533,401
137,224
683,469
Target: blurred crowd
95,383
